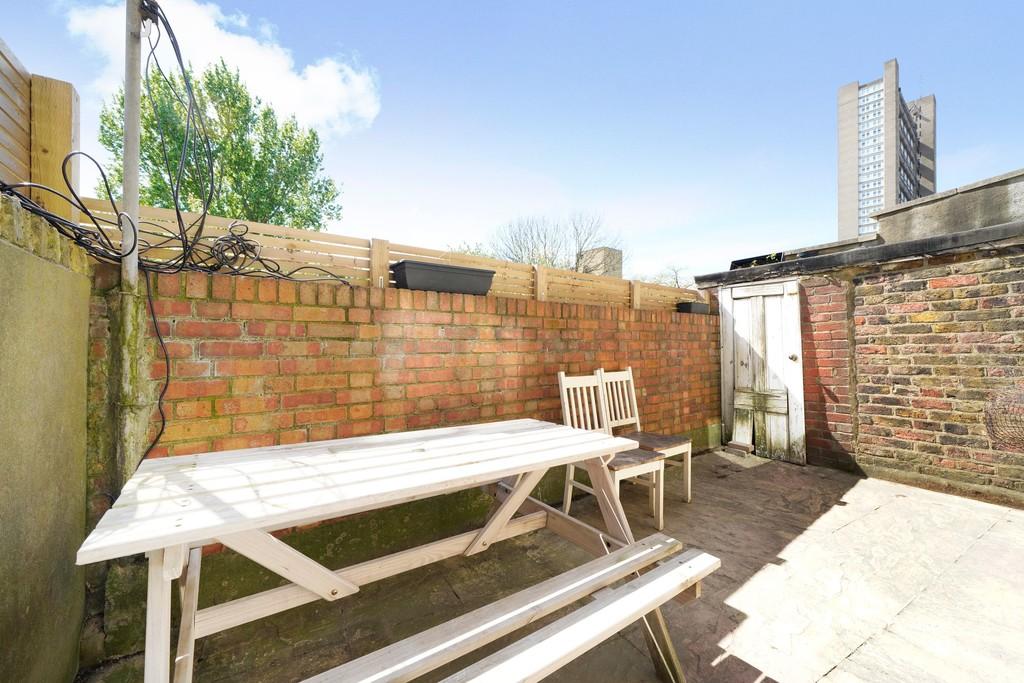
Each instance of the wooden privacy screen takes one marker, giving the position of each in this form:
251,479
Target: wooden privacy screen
15,117
38,128
365,262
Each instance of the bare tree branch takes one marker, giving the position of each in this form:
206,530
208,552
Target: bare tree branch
542,241
672,276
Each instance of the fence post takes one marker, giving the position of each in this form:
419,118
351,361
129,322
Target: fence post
540,283
380,275
54,133
634,294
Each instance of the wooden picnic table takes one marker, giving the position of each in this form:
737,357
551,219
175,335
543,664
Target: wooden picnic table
172,507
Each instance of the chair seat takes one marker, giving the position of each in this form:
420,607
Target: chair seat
667,444
637,456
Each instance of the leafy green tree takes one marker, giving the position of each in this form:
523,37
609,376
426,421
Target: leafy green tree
266,169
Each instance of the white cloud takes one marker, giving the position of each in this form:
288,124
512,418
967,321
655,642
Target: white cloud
331,95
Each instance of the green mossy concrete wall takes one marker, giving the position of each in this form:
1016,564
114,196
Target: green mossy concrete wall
44,318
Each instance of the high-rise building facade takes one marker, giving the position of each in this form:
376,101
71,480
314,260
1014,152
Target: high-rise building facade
886,150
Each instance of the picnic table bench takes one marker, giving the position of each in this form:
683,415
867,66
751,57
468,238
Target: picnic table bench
172,507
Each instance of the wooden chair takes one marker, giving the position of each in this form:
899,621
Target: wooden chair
620,396
585,406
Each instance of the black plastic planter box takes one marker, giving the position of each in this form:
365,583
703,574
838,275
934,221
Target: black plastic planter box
692,307
440,277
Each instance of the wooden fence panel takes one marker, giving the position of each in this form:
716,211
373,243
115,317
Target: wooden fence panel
572,287
652,296
367,262
15,118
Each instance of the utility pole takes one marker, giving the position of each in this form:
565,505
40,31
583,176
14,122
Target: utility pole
131,357
132,137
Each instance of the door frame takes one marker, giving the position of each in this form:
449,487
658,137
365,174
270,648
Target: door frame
793,375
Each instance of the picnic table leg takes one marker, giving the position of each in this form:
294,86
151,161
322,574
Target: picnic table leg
158,621
184,660
659,642
523,486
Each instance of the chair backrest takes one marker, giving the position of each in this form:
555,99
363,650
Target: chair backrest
583,403
620,396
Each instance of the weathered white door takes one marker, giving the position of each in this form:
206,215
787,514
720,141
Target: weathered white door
762,369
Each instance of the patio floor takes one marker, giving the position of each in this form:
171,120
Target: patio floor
825,576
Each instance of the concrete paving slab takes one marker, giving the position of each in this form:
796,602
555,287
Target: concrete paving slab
967,626
827,576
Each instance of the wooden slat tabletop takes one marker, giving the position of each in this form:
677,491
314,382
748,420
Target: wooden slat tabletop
196,498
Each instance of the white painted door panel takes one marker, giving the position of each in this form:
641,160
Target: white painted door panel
762,355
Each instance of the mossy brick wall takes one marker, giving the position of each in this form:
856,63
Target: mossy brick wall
259,362
935,347
43,333
902,363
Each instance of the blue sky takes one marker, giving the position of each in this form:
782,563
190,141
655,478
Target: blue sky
701,133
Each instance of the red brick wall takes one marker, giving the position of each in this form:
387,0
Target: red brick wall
824,305
936,347
902,362
260,362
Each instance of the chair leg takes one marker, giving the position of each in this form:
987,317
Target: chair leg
567,493
687,494
658,492
650,494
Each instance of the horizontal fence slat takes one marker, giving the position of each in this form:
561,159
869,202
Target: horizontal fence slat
7,173
13,82
14,169
407,251
15,108
13,142
18,133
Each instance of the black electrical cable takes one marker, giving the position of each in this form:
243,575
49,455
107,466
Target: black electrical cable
232,253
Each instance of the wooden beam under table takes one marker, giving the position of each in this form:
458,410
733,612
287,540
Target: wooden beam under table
591,539
497,521
243,610
286,561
